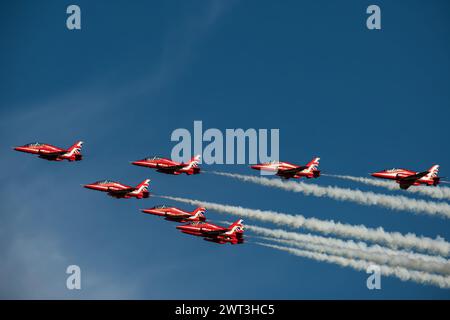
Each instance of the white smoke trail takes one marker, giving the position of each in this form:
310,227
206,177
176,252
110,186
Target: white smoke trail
379,258
442,193
361,250
362,265
361,232
400,203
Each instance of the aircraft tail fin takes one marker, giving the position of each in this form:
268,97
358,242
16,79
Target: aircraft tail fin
200,211
433,171
313,164
433,174
143,186
194,161
75,151
237,226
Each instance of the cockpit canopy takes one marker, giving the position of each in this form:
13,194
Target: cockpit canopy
272,162
105,182
196,223
161,206
152,158
34,144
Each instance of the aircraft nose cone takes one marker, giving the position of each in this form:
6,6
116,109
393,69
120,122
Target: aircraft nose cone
18,148
256,166
181,227
140,163
375,174
89,186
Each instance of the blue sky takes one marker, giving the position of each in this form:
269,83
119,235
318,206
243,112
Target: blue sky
362,100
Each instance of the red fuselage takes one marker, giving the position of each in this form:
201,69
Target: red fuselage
49,152
393,174
175,214
119,190
214,233
408,178
168,166
288,170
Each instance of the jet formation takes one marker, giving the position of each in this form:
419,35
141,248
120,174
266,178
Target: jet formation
194,222
197,226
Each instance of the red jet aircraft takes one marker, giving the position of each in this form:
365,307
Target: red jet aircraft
288,170
52,153
175,214
170,167
406,178
234,234
118,190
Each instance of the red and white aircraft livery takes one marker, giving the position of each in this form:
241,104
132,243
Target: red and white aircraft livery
52,153
406,178
169,166
175,214
234,234
119,190
288,170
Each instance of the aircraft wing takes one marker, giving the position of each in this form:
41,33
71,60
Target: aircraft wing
178,216
406,185
293,170
55,153
289,173
413,177
408,181
51,155
215,232
120,192
172,168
